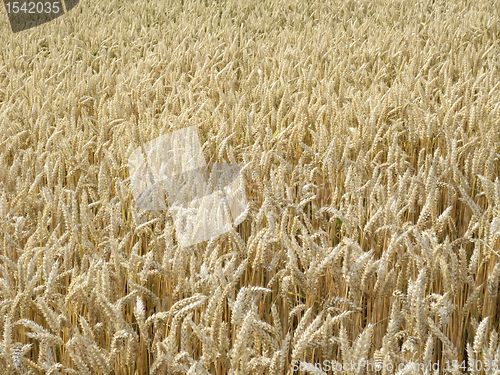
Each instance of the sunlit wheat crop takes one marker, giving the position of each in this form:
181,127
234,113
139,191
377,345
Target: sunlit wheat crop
368,137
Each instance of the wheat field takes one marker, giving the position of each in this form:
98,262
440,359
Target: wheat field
368,133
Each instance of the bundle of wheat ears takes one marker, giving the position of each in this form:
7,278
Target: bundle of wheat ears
367,133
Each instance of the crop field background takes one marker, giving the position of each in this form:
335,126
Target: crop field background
368,133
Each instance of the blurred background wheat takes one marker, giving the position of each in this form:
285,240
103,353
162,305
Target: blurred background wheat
368,132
